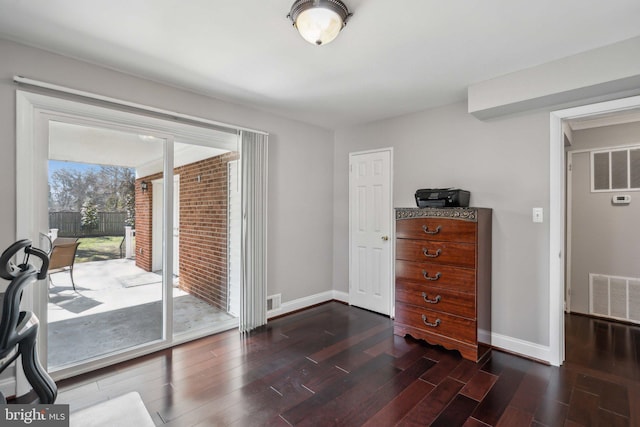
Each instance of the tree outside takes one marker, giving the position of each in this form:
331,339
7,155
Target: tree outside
89,215
109,187
90,200
130,209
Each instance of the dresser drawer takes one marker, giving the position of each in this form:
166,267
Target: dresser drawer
457,328
445,229
462,254
437,299
437,275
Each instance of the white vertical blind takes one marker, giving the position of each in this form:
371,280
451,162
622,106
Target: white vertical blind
253,295
234,243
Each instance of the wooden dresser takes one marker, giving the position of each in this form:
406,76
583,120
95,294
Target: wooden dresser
443,277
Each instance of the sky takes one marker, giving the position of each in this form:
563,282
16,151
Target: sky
55,165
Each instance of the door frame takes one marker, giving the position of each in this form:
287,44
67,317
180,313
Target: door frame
157,186
392,228
157,227
557,213
30,106
569,213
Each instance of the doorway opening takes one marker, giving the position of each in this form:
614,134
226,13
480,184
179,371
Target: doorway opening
559,121
603,240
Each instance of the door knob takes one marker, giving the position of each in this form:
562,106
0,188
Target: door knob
385,238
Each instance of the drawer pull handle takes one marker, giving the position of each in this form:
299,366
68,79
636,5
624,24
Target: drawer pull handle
425,274
426,253
431,301
433,325
436,231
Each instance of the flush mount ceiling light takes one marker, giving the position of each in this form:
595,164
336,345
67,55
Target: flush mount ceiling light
319,21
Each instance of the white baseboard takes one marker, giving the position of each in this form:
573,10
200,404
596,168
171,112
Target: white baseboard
300,303
341,296
524,348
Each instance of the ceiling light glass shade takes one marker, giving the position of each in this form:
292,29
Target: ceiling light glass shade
319,21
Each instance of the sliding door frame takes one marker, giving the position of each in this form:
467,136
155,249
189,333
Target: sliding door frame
33,114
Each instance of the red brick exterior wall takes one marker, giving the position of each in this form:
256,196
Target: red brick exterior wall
203,228
144,206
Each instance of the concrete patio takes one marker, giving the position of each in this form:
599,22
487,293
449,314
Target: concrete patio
117,305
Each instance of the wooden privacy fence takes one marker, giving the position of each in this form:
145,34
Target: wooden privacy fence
69,224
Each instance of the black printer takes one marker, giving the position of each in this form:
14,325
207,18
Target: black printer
442,198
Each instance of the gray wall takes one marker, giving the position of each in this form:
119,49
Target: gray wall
300,161
504,162
605,238
505,165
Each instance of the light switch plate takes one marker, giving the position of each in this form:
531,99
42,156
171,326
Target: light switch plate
538,215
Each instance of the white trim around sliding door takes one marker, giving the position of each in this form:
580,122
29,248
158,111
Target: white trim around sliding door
33,111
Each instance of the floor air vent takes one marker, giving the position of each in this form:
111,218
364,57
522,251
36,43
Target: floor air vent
273,302
614,296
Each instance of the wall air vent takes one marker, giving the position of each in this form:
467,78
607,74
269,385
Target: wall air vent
615,297
274,302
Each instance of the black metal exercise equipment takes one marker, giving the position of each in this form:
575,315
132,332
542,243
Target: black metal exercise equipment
19,329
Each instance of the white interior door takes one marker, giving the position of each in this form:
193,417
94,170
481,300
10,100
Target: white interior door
370,227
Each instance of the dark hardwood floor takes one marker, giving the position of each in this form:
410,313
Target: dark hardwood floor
335,365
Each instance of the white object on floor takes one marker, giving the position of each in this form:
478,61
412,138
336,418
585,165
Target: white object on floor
123,411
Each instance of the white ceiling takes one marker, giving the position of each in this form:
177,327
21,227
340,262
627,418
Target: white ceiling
393,58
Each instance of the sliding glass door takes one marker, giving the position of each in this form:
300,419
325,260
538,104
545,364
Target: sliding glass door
143,204
106,288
